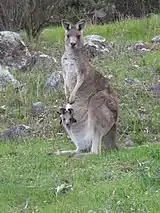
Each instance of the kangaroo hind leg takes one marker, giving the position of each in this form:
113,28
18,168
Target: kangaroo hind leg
110,139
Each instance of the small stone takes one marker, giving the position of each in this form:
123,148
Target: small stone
132,82
135,66
156,39
141,47
2,109
128,143
155,89
37,108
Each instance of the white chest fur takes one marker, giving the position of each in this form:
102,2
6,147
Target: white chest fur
69,63
69,67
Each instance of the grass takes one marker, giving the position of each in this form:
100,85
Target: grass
125,181
128,30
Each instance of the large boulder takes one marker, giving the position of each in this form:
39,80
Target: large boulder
42,61
96,45
18,131
13,51
15,54
55,81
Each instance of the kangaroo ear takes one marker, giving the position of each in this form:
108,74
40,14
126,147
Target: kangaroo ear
62,110
70,110
66,25
81,25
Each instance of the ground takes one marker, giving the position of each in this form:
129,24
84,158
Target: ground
124,181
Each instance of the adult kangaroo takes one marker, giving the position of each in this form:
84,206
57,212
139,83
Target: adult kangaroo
89,94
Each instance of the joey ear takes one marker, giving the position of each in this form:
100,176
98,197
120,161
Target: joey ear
62,110
60,122
81,25
73,120
65,24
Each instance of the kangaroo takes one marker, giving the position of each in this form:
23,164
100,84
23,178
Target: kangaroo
82,133
92,100
77,71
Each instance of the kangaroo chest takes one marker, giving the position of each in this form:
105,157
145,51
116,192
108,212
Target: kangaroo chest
69,70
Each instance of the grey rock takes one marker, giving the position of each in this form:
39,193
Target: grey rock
15,132
155,89
55,81
6,77
3,109
128,143
41,60
37,108
156,39
131,82
141,47
141,116
13,51
96,45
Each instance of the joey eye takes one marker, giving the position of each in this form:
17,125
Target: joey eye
70,119
78,36
67,35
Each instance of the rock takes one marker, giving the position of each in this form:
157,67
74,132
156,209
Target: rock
13,51
6,77
156,39
141,47
55,81
15,132
15,54
3,109
131,82
96,45
37,108
42,61
128,143
155,89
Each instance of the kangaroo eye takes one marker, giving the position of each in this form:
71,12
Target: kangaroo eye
64,119
67,35
78,36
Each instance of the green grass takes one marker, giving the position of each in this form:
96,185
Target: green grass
128,30
127,181
124,181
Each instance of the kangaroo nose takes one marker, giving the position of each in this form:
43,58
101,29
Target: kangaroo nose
73,44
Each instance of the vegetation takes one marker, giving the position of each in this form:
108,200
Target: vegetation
124,181
127,181
34,15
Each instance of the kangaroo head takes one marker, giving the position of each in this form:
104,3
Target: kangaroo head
66,116
74,33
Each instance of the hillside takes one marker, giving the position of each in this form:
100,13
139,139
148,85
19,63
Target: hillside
124,181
